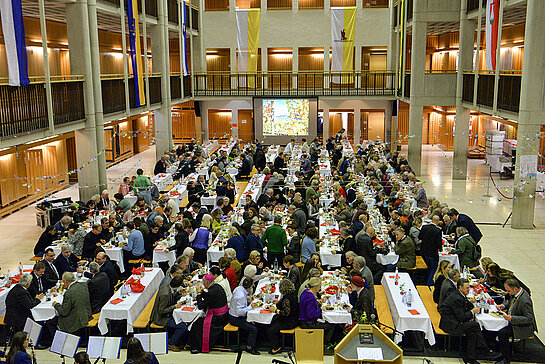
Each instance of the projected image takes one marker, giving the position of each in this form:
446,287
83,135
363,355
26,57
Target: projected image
285,117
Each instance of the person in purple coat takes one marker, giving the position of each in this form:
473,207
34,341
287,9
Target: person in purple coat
310,313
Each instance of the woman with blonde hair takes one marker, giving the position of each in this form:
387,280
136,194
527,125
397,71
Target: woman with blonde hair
439,277
310,311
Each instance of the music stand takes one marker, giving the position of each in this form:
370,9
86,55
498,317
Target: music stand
156,342
34,331
100,347
65,344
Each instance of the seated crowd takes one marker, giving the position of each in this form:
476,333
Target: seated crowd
226,291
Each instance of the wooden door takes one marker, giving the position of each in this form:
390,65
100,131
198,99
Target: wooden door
219,124
350,126
11,188
109,144
335,123
71,158
246,125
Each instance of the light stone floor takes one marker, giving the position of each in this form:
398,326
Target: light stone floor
522,251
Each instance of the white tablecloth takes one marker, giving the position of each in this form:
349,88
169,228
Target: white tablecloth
453,259
180,315
160,255
490,322
209,201
253,188
325,168
390,258
131,197
272,153
403,319
5,290
326,255
45,311
162,180
132,305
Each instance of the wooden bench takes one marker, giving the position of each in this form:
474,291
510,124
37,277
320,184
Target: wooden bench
427,298
36,259
383,309
227,330
143,319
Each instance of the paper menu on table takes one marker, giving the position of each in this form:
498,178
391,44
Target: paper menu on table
65,344
33,330
370,354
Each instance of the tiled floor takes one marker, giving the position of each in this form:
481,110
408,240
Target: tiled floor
522,251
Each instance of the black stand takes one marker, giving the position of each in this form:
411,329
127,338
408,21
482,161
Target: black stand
98,359
391,328
508,217
63,360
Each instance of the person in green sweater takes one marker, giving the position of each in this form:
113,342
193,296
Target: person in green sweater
465,245
275,238
142,184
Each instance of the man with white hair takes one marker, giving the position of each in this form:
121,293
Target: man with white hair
265,197
360,265
104,202
19,302
75,310
299,217
193,266
68,262
99,288
62,226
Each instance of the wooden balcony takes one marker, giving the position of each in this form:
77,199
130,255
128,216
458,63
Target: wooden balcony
24,109
508,89
361,83
113,92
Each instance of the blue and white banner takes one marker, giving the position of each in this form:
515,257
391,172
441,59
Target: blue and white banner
185,63
14,40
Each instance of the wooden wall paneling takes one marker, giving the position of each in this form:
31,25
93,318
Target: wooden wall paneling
183,124
35,170
248,4
72,162
125,140
311,4
11,189
342,3
50,166
403,123
279,60
335,123
375,125
219,124
109,144
350,126
310,60
218,60
215,5
364,125
62,161
246,125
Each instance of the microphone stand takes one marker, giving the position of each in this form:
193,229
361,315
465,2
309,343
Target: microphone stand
389,327
34,361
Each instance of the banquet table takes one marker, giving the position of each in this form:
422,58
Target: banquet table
325,167
490,322
162,181
133,304
5,290
131,197
272,153
161,255
173,168
452,258
253,188
330,231
414,318
387,259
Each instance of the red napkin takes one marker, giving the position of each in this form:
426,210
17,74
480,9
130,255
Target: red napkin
393,277
116,301
414,312
158,249
131,281
1,289
188,308
322,224
137,287
27,270
265,311
136,271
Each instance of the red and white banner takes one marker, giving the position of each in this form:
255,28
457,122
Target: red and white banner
492,20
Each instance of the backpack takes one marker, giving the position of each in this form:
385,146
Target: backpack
477,252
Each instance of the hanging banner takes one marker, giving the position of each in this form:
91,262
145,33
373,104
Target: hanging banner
136,54
185,63
401,71
492,20
14,40
343,30
248,21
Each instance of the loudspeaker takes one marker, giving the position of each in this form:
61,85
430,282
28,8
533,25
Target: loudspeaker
394,108
197,108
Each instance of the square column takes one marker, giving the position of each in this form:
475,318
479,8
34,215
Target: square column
357,126
530,112
416,109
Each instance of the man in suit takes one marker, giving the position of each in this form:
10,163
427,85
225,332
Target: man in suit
160,166
458,318
99,288
107,267
365,248
432,242
19,302
75,310
68,262
361,299
161,315
174,271
467,222
245,168
519,311
104,203
51,275
38,284
360,264
448,286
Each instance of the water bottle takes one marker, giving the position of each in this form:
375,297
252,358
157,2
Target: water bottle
20,268
397,277
409,298
275,265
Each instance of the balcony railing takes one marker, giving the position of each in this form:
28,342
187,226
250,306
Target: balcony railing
113,92
407,88
362,83
151,6
508,89
24,109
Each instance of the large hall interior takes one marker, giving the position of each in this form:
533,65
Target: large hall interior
272,180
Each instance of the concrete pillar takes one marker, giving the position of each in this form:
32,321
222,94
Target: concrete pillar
265,66
204,121
530,111
234,119
326,125
461,124
80,63
357,126
294,65
97,92
159,50
416,108
392,42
